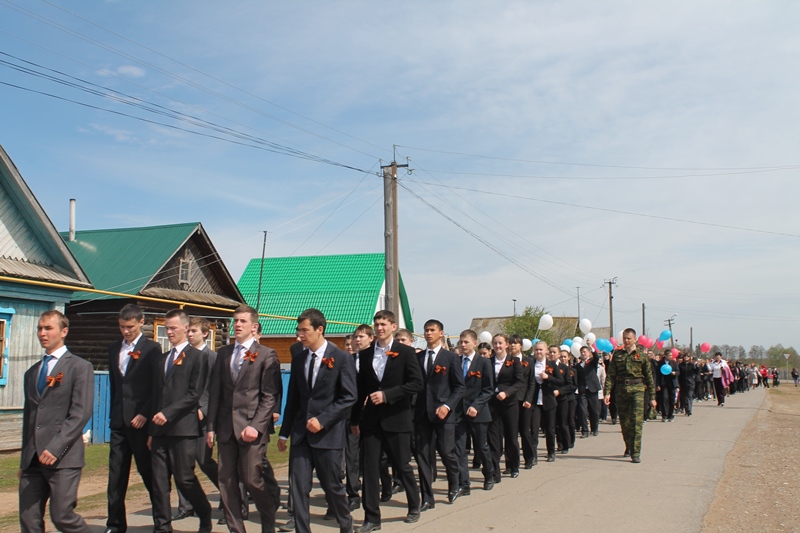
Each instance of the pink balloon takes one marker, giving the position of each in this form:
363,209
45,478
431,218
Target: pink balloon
650,342
642,340
613,341
705,347
659,344
675,352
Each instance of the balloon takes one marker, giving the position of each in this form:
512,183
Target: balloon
642,340
620,337
650,342
485,337
564,348
665,335
675,352
605,345
585,325
575,350
545,322
705,347
567,342
577,340
659,344
534,341
613,341
526,345
590,338
666,370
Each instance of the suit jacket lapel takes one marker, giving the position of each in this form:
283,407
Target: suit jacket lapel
56,369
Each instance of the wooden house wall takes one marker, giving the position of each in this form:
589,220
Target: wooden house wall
281,345
201,275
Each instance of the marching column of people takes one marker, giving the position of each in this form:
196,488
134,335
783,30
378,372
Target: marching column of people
349,415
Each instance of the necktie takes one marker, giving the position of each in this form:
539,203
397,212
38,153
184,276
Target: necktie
430,362
466,366
43,373
170,361
237,361
311,370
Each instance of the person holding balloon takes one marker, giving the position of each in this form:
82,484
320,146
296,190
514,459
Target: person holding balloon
666,383
628,375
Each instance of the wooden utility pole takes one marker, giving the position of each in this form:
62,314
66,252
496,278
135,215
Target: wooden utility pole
611,305
391,268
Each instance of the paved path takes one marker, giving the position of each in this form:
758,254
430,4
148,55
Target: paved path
671,489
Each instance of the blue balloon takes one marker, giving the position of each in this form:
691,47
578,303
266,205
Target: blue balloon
568,342
666,370
665,335
605,345
534,341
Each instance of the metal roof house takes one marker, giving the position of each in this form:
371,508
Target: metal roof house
157,267
37,273
349,289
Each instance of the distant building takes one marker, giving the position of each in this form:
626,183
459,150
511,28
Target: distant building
347,288
162,267
37,273
564,327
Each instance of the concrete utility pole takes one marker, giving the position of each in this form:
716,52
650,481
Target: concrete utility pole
391,267
611,282
668,322
643,322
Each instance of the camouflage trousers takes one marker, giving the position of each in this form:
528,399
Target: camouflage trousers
630,404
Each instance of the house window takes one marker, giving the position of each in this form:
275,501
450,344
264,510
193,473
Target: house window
184,270
160,334
6,315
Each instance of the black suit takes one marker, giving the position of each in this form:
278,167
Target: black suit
562,375
131,395
526,413
686,381
53,420
444,385
387,426
505,415
329,401
588,387
176,394
667,385
478,390
544,412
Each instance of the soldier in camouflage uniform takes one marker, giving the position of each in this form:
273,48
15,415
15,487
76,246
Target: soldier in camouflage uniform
628,374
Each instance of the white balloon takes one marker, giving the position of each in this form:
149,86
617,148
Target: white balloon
590,338
585,325
526,345
578,341
545,322
619,339
485,337
575,349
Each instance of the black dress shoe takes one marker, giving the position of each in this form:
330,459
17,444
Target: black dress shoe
110,530
515,474
397,487
180,515
366,527
204,528
636,459
551,457
222,521
452,496
425,506
329,515
465,491
627,453
354,503
507,472
584,434
412,517
288,526
386,496
528,465
595,433
488,485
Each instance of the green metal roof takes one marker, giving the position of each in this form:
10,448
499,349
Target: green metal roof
124,260
345,288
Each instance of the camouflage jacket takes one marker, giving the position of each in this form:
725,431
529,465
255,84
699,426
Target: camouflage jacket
629,366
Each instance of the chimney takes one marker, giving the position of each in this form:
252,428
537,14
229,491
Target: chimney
71,219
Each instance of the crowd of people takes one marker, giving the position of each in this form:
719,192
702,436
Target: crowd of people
356,417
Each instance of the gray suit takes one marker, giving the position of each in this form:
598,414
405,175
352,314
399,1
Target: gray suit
54,421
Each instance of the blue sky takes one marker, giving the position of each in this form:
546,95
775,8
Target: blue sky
572,142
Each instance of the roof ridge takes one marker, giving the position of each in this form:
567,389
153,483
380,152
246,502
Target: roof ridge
160,227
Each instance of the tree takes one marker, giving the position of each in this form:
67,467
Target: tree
526,325
757,353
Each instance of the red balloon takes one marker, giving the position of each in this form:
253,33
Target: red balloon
613,341
675,352
642,340
659,344
650,342
705,347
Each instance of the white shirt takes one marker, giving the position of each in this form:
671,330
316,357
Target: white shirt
379,359
317,362
538,368
716,368
428,356
54,357
246,345
125,354
178,349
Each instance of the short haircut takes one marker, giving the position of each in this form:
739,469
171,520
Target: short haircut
720,354
434,322
258,328
540,342
314,317
179,313
385,314
500,335
200,322
348,337
470,334
588,349
365,328
63,322
515,339
249,310
403,332
629,330
131,312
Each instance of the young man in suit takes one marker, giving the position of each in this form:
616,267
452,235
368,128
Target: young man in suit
562,374
504,408
524,396
130,368
199,329
322,388
588,387
58,393
546,384
389,375
179,378
666,385
474,410
436,413
241,403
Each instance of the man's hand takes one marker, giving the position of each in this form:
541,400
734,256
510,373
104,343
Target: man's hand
313,425
502,395
653,404
472,412
150,443
138,422
249,434
281,445
377,397
19,474
544,375
556,393
355,430
607,399
276,417
159,419
200,415
526,405
47,458
658,389
442,412
210,439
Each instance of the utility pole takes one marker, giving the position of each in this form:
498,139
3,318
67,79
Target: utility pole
691,341
391,268
261,273
668,322
611,282
579,305
643,323
515,305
